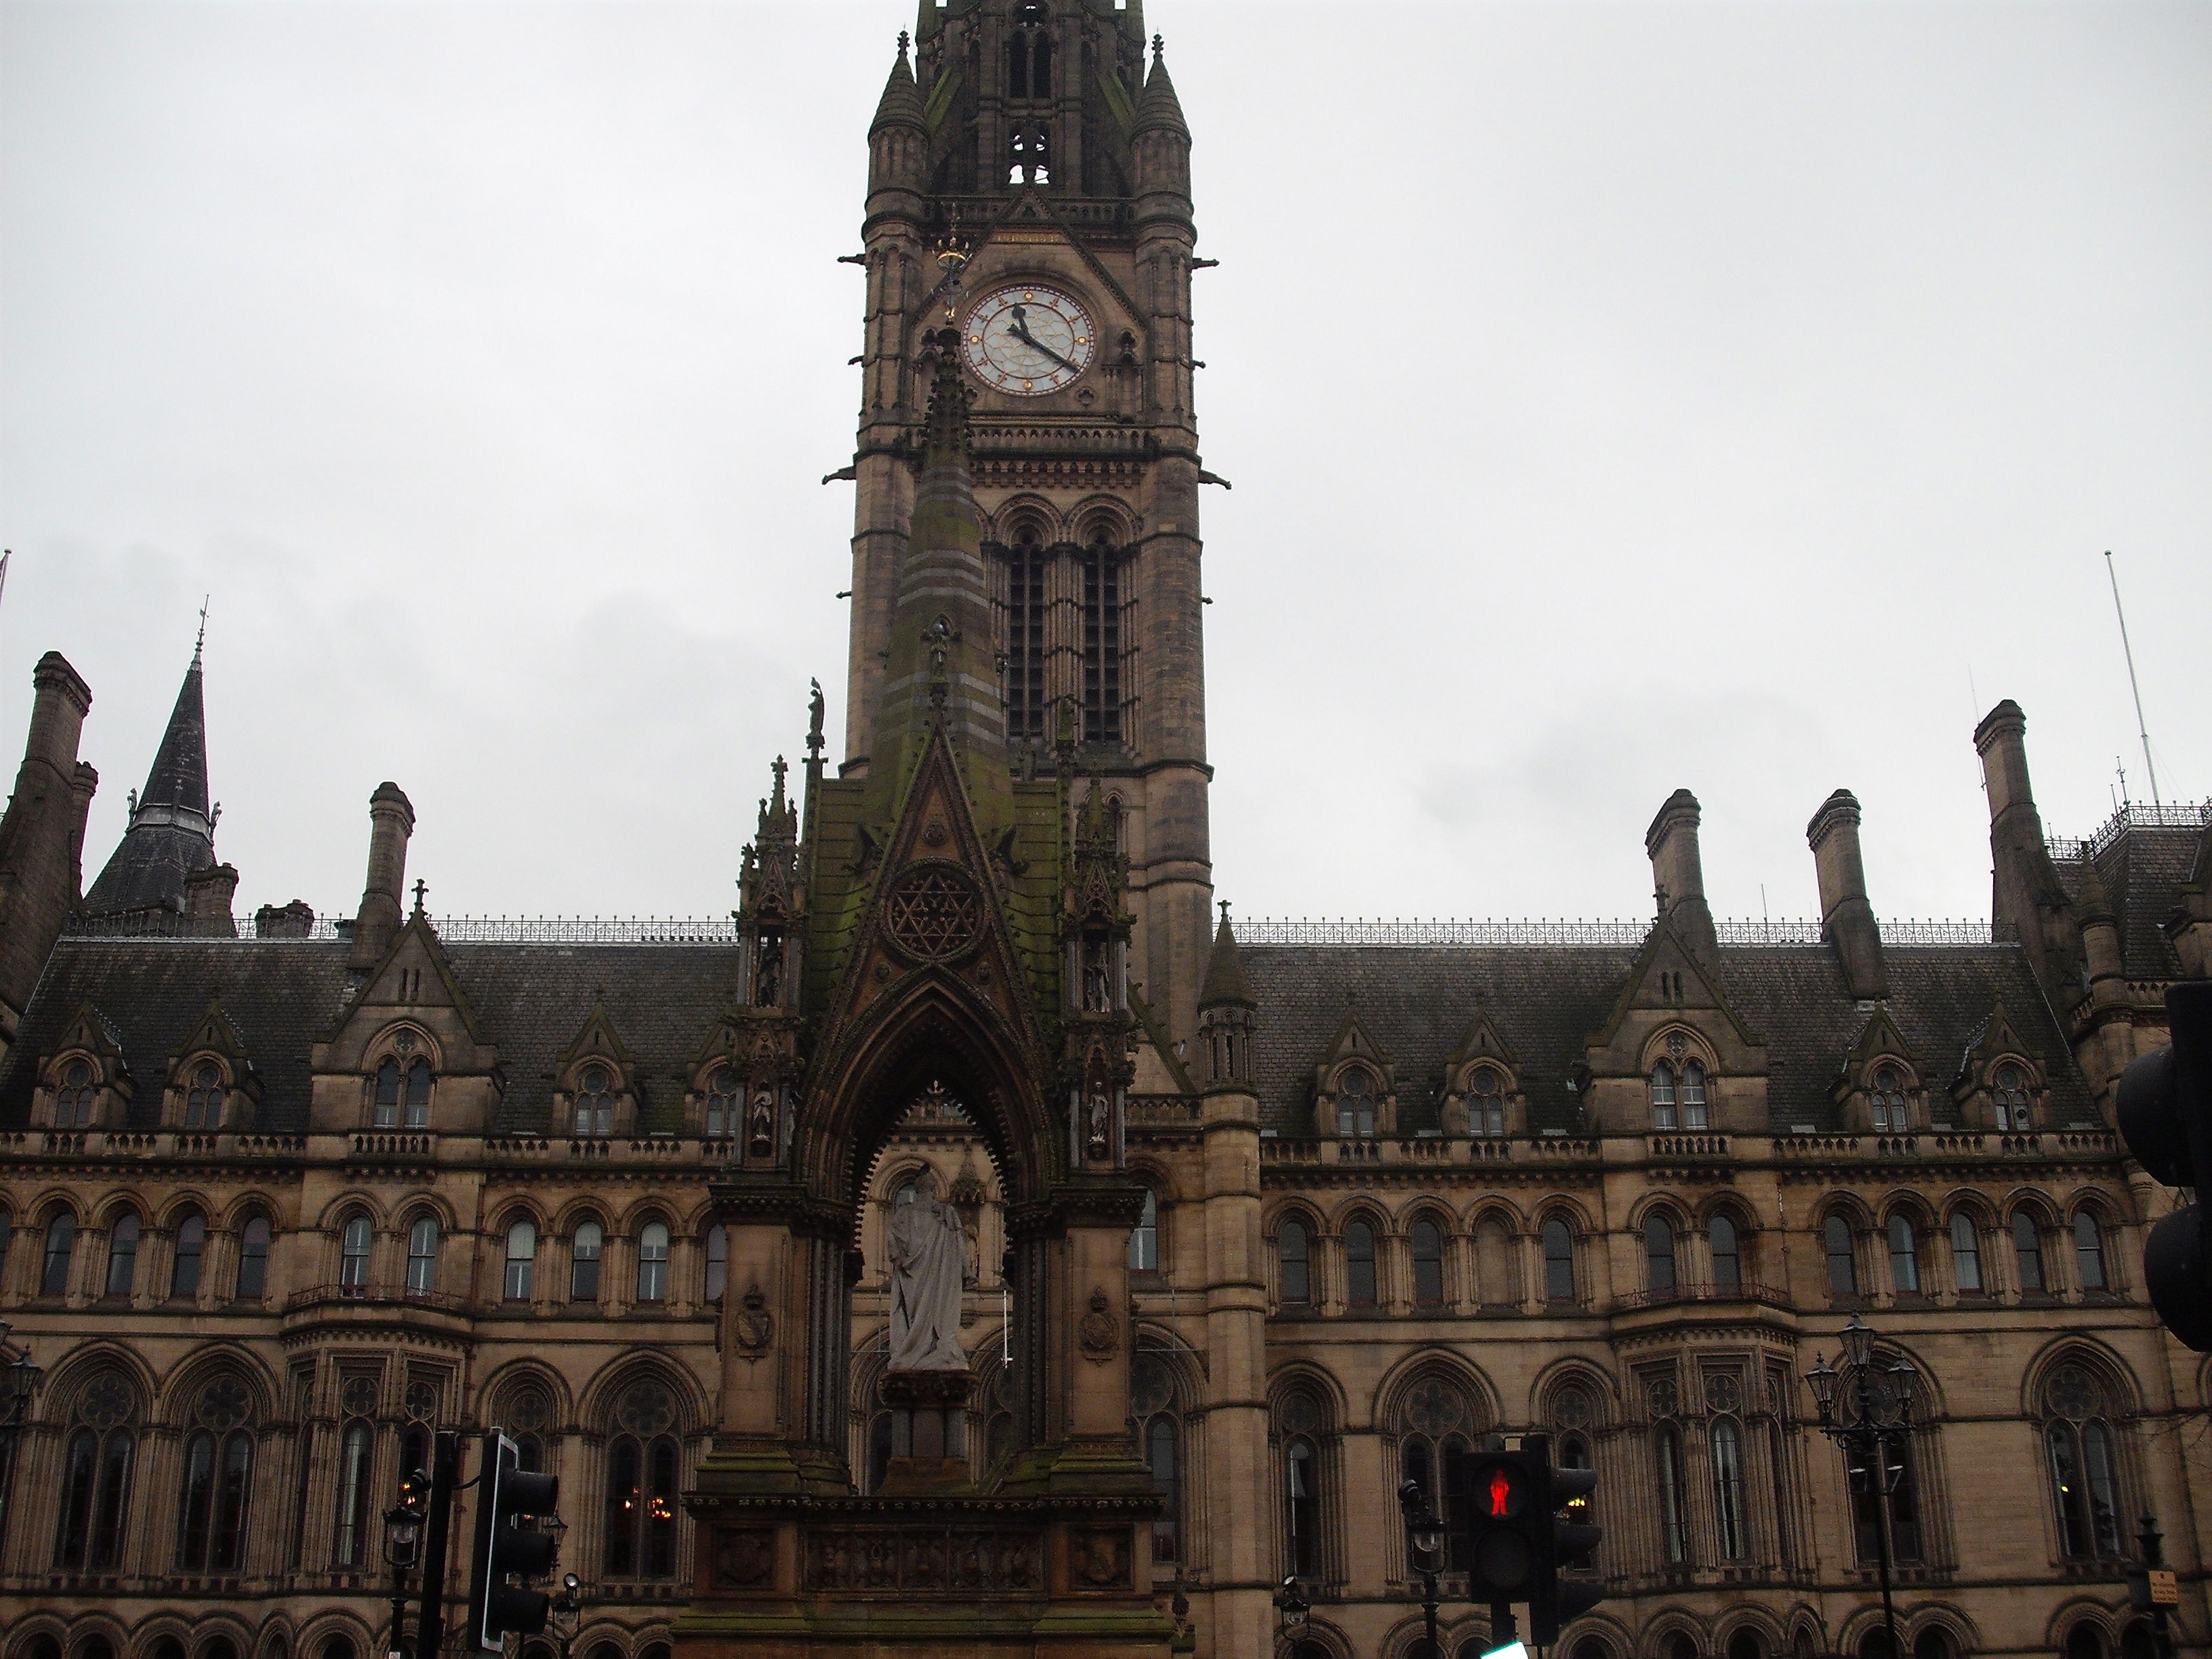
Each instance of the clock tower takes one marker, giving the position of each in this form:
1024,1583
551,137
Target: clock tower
1029,184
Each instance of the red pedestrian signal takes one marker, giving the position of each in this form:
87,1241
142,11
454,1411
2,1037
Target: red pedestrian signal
1499,1551
1504,1500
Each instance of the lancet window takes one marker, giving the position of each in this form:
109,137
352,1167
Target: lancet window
1102,642
79,1094
97,1465
1154,1401
643,1481
218,1479
1486,1104
203,1097
2082,1453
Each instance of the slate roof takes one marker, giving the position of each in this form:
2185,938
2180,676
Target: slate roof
2142,869
1546,1002
282,996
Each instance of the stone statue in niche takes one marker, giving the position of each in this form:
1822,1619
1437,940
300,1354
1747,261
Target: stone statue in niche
928,1251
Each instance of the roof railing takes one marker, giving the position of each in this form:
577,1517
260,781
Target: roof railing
2132,815
1545,931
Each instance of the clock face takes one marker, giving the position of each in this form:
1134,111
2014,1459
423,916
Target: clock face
1027,340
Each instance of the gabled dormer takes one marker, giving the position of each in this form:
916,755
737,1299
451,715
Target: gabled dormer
2000,1084
1355,1084
84,1083
1480,1088
1879,1084
595,1085
213,1084
1675,1053
409,1052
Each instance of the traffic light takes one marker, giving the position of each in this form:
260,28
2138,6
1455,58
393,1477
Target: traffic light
1505,1526
2166,1117
1567,1538
504,1550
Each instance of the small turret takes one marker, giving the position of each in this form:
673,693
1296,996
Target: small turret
390,822
1678,875
1160,138
898,143
1227,1012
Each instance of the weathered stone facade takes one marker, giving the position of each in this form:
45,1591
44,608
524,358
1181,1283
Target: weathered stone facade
1257,1227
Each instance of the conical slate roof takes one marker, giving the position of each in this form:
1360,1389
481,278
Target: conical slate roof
900,104
172,832
1226,981
1159,106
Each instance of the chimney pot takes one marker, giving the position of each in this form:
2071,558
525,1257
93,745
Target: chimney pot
1847,921
390,822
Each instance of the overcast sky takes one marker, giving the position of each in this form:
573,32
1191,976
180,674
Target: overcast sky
1617,397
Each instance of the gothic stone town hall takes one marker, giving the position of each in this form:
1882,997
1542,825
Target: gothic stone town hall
1247,1229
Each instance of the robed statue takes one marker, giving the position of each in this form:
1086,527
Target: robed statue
928,1247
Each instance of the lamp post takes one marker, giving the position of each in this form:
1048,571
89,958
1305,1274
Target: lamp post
1424,1549
1868,1418
19,1382
566,1608
403,1541
1291,1610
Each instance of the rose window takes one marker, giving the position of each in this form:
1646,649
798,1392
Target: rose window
934,912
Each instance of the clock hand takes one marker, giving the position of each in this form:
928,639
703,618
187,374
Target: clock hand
1020,330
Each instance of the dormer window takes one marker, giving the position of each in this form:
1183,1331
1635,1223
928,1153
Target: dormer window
403,1095
595,1102
726,1096
1355,1102
2009,1093
78,1098
203,1097
1678,1095
1486,1104
1886,1099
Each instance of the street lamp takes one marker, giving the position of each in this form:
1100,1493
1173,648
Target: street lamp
566,1608
19,1382
1869,1418
1291,1609
1425,1548
403,1541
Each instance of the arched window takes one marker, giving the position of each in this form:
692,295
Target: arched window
1496,1283
418,1094
1891,1471
422,1257
584,1251
1843,1261
1101,603
1966,1254
253,1259
521,1261
1433,1446
203,1097
2085,1486
2089,1250
2008,1092
1154,1404
725,1098
2027,1250
389,1088
1359,1265
595,1102
1486,1104
1302,1506
96,1472
1904,1255
1145,1237
653,1262
191,1253
642,1485
1693,1096
1428,1244
1734,1537
61,1251
76,1098
1673,1528
217,1481
1026,566
2084,1642
1294,1280
718,1261
1559,1261
351,1546
1659,1255
122,1253
1355,1102
1885,1097
1662,1098
1727,1259
353,1256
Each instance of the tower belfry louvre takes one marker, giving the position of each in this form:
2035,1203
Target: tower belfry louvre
973,1245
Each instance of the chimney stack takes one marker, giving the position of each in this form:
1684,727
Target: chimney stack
42,835
390,822
207,894
1678,875
1846,919
2027,894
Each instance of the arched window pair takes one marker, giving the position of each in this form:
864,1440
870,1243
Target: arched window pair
644,1477
1486,1104
2009,1093
1678,1095
1434,1447
1885,1100
77,1100
190,1258
1029,58
403,1095
204,1097
1154,1403
97,1467
1355,1102
218,1479
596,1089
2082,1453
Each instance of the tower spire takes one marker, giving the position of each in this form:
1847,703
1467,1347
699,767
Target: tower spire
172,832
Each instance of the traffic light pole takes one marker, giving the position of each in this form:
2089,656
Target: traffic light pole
445,1479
